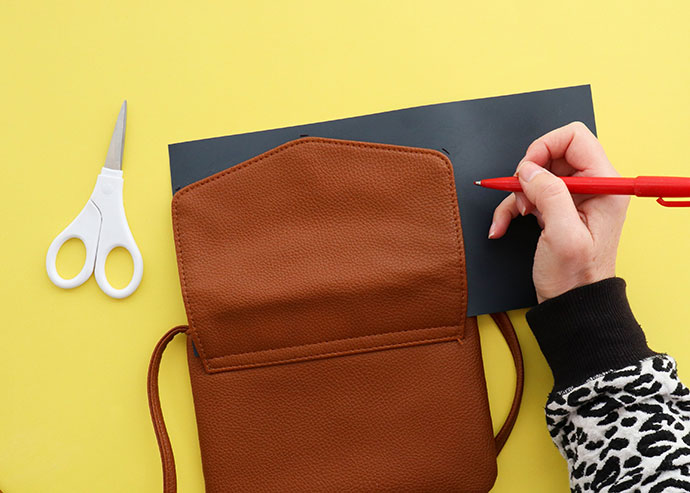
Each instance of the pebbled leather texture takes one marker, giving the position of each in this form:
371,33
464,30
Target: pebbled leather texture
165,448
324,283
413,419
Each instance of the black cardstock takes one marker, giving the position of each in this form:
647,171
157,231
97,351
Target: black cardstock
484,138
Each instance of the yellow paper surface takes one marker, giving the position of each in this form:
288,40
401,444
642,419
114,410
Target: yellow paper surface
73,408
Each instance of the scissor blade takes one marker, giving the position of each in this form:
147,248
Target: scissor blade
117,142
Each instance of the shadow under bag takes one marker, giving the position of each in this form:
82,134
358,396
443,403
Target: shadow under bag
328,344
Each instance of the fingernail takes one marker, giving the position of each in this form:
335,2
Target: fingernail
529,170
492,231
518,167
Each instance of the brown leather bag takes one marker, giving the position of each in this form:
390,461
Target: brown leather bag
329,348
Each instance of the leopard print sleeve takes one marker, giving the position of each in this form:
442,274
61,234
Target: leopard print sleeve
618,412
627,430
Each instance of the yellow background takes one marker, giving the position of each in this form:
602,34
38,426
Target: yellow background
73,408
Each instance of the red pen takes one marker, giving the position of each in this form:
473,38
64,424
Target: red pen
642,186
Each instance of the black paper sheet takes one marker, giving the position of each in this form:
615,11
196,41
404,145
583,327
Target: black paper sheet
484,138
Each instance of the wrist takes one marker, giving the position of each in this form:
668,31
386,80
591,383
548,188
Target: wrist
584,277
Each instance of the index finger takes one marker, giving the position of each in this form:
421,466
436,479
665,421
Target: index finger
574,144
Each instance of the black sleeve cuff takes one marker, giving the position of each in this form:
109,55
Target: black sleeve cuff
587,331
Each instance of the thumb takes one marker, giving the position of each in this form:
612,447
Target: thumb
551,197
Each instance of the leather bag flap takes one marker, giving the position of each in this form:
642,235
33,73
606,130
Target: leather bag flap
321,248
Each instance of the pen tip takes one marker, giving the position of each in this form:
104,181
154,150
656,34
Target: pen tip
478,183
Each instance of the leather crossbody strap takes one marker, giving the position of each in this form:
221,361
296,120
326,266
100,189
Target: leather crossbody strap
166,452
167,457
508,331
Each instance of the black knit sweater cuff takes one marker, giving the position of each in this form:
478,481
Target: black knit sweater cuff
588,331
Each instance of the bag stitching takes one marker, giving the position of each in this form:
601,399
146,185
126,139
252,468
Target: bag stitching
335,340
368,349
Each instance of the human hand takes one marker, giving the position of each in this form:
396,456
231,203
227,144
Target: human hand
580,233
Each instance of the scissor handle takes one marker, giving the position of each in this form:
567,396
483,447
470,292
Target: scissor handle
101,226
114,232
85,228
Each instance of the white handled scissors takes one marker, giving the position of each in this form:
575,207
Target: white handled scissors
101,225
